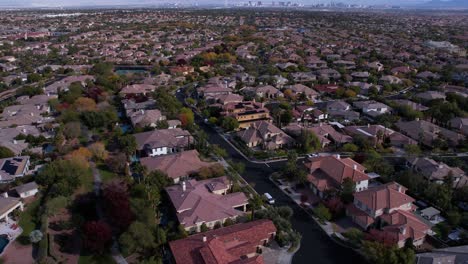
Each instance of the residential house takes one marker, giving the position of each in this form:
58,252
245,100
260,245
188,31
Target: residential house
8,205
246,112
341,110
146,118
300,89
460,124
240,244
380,134
268,92
425,132
389,79
27,190
437,171
450,255
8,137
64,84
266,135
206,202
302,77
390,205
328,173
410,104
430,95
377,66
211,90
305,113
178,165
12,168
137,90
372,108
163,141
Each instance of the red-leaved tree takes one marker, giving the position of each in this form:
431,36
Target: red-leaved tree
117,205
97,236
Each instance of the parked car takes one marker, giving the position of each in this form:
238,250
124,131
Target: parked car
269,198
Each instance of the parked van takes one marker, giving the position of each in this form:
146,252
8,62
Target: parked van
269,198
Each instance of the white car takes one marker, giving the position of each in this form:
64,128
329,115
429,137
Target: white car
269,198
311,155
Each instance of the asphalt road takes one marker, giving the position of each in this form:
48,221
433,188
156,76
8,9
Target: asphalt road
316,247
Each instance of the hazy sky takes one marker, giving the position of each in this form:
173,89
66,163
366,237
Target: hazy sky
55,3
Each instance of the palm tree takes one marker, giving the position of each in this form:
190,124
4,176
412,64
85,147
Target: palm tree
256,203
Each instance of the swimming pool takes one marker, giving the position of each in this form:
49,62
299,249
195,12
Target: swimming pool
3,242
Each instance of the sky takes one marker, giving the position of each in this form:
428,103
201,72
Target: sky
65,3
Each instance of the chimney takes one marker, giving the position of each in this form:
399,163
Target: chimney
368,125
15,142
142,111
441,166
184,187
338,156
5,195
23,130
32,114
204,238
400,189
417,119
354,166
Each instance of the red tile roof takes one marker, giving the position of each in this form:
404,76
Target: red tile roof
390,196
227,245
401,226
197,204
331,171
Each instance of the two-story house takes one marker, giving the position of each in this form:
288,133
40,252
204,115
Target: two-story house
163,141
328,173
388,211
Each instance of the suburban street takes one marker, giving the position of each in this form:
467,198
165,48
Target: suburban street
315,245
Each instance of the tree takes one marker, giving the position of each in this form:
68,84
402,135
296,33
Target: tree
127,144
97,236
186,117
228,222
218,151
256,202
137,239
62,177
291,169
454,218
347,190
354,235
350,147
229,123
98,151
117,163
204,228
6,152
309,141
35,236
322,212
84,104
381,254
72,130
117,204
34,77
412,150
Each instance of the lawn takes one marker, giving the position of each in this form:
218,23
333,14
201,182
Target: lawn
92,259
27,221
